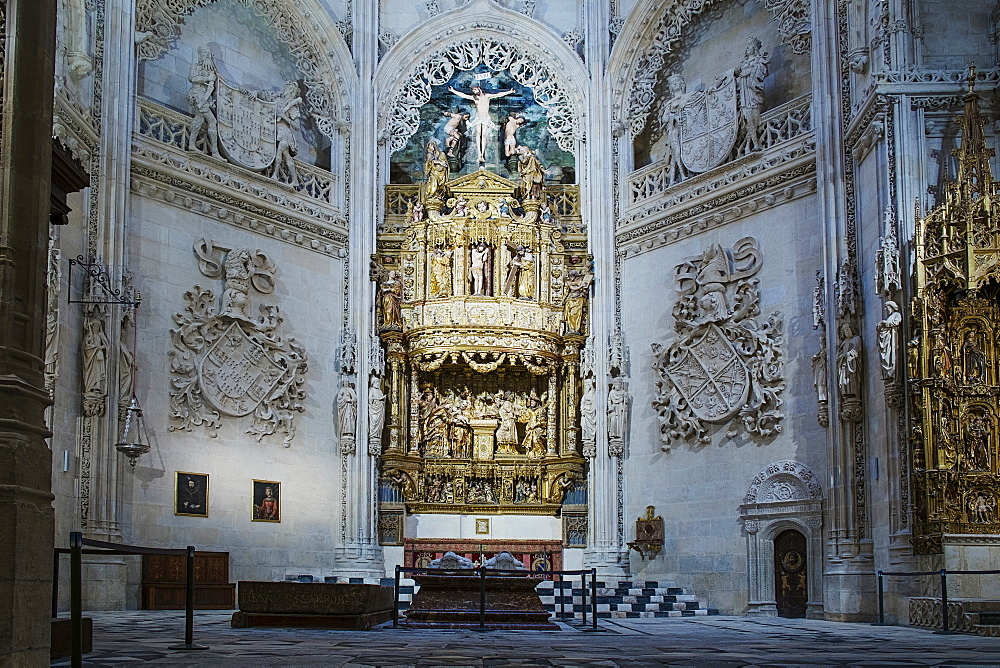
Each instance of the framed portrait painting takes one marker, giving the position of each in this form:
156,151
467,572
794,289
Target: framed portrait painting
190,494
266,501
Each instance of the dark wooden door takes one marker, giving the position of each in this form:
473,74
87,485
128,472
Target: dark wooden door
790,583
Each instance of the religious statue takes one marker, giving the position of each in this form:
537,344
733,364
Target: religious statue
588,415
520,281
459,426
95,363
440,283
454,137
347,411
849,362
888,338
126,359
532,173
481,269
750,87
289,103
482,124
617,412
506,433
436,169
201,96
973,358
513,123
977,443
376,414
417,214
578,288
534,418
819,369
236,295
390,297
670,125
981,508
77,59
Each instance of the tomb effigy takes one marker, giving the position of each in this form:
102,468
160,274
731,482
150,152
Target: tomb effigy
453,598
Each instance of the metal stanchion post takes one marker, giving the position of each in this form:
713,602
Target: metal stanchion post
562,599
189,606
881,600
395,601
482,599
593,596
583,595
76,598
55,584
944,603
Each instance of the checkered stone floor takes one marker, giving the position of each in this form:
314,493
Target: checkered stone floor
134,638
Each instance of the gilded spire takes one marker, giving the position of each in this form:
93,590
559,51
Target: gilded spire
974,173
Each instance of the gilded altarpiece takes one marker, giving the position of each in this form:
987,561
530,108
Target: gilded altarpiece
482,296
954,357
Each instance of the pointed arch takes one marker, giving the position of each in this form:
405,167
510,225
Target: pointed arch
481,31
320,51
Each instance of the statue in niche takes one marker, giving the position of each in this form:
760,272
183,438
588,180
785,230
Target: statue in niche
534,418
126,359
440,283
849,361
973,357
236,296
482,124
888,338
750,87
459,412
95,363
390,297
520,281
454,137
481,269
288,108
578,288
670,125
588,415
617,412
417,213
981,508
77,58
347,411
436,169
514,122
202,77
977,440
506,433
532,173
819,369
376,414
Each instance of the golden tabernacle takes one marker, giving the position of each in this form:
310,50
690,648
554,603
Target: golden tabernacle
482,308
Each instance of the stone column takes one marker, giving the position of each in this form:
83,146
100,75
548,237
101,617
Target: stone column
359,553
26,516
605,543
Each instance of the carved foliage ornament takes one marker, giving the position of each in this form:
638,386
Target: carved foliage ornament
784,481
158,22
223,361
725,364
499,55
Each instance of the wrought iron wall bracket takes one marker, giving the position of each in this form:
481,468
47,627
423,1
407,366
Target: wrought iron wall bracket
98,273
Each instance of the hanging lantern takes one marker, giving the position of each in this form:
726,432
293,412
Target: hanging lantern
132,444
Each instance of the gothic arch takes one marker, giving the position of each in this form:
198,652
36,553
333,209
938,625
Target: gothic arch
320,50
481,31
654,30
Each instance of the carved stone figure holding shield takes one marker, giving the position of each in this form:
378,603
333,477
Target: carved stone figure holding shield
201,96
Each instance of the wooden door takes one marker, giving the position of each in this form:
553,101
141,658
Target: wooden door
790,582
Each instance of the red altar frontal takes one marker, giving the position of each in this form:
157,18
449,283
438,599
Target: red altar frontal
536,555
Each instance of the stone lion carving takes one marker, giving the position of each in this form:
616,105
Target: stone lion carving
725,364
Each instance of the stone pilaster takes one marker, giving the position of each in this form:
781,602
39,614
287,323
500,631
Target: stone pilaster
26,515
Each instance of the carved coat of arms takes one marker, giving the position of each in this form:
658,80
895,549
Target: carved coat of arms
724,365
247,126
708,125
225,362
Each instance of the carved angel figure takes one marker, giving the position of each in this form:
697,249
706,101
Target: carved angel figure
201,95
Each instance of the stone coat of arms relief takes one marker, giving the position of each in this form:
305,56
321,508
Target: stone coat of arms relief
725,364
225,362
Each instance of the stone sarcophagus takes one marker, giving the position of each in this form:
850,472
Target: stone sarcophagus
482,307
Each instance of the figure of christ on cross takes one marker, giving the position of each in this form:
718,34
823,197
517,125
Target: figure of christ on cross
482,124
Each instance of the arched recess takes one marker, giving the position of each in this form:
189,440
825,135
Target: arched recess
655,29
784,495
304,25
481,31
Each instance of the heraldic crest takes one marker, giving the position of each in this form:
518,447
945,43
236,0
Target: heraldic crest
724,365
225,362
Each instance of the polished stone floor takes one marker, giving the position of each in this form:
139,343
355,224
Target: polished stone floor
137,637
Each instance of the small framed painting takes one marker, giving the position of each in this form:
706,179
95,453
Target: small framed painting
266,501
190,494
482,525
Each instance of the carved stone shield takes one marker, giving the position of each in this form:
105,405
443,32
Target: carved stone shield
247,124
710,375
708,126
236,373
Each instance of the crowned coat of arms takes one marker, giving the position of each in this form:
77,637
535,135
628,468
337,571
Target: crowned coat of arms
708,125
225,362
724,365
